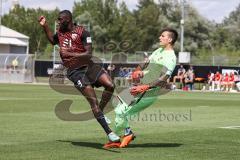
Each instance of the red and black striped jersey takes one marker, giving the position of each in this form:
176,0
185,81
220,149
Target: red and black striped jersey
74,43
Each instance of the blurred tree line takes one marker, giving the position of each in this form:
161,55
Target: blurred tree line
110,21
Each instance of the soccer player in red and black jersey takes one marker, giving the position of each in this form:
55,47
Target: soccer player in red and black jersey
76,53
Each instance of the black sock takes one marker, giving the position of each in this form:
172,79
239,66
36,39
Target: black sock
101,120
106,96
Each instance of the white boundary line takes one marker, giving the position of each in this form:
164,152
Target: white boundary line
43,98
230,127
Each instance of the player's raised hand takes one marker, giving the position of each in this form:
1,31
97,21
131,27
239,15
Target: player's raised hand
42,20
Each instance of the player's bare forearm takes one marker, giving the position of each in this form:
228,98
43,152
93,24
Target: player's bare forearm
84,55
77,55
67,52
48,33
43,22
88,49
87,53
161,82
143,65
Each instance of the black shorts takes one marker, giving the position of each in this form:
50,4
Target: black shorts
87,75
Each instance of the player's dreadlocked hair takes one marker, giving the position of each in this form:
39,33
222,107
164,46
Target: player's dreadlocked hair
66,12
173,34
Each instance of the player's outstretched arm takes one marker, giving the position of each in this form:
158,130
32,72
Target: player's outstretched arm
43,22
138,72
160,82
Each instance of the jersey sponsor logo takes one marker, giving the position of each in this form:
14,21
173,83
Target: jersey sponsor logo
74,36
89,40
79,83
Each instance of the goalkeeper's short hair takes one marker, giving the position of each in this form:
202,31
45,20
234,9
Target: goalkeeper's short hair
173,34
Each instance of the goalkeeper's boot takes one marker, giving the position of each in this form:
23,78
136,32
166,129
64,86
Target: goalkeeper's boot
114,141
127,138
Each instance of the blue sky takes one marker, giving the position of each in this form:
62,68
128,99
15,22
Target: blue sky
212,9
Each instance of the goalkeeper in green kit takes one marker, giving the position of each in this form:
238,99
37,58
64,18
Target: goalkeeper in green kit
150,80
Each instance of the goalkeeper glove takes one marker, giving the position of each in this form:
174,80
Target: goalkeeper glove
139,89
137,74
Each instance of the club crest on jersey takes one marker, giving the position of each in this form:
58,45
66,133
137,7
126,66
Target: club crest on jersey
74,36
89,40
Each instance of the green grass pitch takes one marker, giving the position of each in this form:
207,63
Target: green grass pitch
179,126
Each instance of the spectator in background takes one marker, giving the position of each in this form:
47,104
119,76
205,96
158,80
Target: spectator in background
121,73
232,79
124,77
210,79
237,82
110,69
217,81
238,86
189,78
126,72
225,82
180,76
15,64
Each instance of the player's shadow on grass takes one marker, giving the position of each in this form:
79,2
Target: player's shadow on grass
154,145
88,144
143,145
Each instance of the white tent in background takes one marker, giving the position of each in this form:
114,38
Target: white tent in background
13,42
16,64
